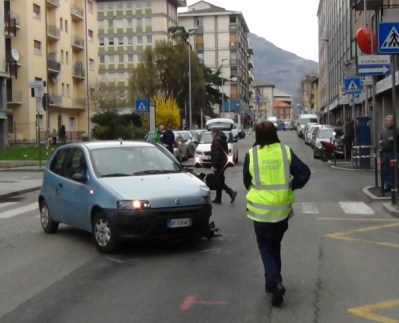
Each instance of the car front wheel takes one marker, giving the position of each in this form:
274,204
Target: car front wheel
48,224
103,234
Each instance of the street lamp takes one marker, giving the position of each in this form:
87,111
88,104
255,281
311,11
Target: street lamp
190,32
223,60
326,40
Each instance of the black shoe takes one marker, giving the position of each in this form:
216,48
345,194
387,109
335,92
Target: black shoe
217,202
278,293
233,196
269,288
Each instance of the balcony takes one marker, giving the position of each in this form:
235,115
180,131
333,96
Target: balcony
53,3
78,43
14,97
250,64
358,5
53,32
55,100
52,64
79,103
77,13
11,24
78,71
12,68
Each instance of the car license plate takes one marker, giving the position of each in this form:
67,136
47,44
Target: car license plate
179,223
206,157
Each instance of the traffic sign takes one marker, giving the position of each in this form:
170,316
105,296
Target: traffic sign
373,65
142,106
353,85
37,84
388,37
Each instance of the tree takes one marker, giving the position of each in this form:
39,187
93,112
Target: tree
166,111
104,98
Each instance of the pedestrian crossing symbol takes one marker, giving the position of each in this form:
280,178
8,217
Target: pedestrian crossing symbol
142,106
388,38
352,85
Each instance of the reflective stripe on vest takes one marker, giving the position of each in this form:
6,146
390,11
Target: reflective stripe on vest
270,202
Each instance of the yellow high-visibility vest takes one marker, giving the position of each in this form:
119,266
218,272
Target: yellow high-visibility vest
270,196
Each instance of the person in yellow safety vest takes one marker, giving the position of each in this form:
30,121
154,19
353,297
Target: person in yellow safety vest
271,173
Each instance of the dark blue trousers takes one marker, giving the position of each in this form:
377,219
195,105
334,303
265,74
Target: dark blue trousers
387,169
269,236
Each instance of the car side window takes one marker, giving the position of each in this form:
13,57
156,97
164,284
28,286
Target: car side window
58,161
76,163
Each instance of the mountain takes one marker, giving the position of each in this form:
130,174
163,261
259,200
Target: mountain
279,67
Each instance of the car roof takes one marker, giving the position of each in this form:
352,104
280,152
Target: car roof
108,144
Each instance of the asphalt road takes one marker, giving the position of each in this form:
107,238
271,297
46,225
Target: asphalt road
340,263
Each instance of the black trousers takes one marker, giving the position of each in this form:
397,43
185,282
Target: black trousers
221,185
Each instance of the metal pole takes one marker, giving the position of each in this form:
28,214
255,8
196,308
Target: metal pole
328,81
224,59
189,83
395,148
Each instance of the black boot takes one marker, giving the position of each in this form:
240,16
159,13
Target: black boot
218,198
233,196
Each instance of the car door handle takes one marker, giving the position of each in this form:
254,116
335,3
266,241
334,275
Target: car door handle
60,185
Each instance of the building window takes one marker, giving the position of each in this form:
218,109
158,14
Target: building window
111,41
72,123
110,23
111,59
62,56
67,58
119,5
61,24
63,89
66,26
129,4
101,41
36,11
90,5
148,4
37,47
148,22
100,6
68,94
120,58
102,59
91,64
90,35
139,40
120,41
130,40
149,39
130,58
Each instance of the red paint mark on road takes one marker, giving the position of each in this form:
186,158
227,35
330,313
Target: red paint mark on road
192,299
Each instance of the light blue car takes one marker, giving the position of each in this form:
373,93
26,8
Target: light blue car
120,190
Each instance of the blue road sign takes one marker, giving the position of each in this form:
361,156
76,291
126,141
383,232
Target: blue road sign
374,69
142,106
388,37
353,85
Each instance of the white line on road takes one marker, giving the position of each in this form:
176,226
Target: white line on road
355,208
19,210
5,204
308,207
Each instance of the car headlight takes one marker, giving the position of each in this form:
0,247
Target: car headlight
132,205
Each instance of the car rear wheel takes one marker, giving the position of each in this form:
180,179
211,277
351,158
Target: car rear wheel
103,234
48,224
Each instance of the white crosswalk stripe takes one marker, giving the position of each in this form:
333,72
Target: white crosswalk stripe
307,207
18,211
6,204
355,208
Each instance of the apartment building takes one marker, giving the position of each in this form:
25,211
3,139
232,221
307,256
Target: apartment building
4,75
126,28
51,48
219,37
339,22
309,93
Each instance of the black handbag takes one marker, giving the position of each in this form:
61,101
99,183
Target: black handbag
212,181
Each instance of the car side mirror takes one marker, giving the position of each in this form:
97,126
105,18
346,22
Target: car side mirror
79,177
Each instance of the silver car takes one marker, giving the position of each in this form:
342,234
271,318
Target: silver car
119,190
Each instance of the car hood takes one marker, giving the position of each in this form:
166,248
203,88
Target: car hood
160,190
204,147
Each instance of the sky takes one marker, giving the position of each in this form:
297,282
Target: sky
288,24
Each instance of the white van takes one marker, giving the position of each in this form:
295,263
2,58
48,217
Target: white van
220,123
303,120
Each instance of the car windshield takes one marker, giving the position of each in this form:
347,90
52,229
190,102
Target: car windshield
185,135
206,138
326,133
127,161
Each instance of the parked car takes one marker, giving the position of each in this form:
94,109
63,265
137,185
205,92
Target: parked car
119,190
179,148
189,140
312,135
288,125
307,133
325,133
203,152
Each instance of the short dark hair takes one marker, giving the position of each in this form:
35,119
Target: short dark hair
265,134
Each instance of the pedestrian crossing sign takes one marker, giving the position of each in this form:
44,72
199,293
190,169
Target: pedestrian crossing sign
388,37
353,85
142,106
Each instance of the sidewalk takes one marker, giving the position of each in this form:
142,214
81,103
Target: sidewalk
18,177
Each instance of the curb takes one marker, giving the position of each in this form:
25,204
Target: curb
394,211
372,196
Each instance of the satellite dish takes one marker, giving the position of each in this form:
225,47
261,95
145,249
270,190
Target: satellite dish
15,54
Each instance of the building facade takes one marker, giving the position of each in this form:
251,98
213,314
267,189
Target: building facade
339,22
51,50
221,43
126,28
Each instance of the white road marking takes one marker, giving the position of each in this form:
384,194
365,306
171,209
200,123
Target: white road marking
5,204
308,207
355,208
19,210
